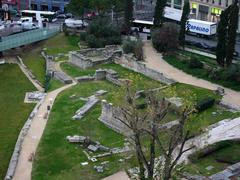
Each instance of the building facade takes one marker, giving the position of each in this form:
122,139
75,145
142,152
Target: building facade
15,4
206,10
49,5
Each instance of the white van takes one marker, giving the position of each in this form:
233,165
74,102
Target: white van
73,23
25,19
29,26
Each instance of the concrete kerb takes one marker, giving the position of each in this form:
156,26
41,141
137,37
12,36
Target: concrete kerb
18,146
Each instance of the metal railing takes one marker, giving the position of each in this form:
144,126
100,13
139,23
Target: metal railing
27,37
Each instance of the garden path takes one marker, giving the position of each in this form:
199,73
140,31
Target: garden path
223,130
121,175
154,60
31,140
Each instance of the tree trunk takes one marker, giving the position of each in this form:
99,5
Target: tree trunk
167,169
153,154
139,157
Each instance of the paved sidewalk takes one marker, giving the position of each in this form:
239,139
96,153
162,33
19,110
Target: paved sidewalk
155,61
122,175
31,140
221,131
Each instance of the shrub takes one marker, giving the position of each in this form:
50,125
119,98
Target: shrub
135,47
101,33
138,50
232,73
93,42
83,36
205,104
209,150
165,39
195,63
128,46
215,74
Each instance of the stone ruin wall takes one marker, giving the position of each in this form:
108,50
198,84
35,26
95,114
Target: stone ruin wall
80,60
83,60
109,112
130,62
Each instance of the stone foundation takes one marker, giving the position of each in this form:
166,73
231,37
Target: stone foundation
109,112
129,62
91,57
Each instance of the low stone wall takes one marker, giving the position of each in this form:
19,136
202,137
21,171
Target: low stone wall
79,60
50,70
29,72
230,107
62,77
18,146
109,112
85,58
137,66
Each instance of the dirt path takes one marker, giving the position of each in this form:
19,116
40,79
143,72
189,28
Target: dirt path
122,175
30,143
155,61
223,130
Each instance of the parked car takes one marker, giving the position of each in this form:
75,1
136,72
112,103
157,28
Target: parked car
61,16
69,15
200,45
235,54
29,26
74,23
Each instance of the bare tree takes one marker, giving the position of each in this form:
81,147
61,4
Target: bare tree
146,125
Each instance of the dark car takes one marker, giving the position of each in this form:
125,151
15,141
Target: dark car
69,15
235,54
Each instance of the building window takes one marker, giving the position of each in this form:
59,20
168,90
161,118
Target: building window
178,4
213,1
169,3
216,11
219,2
226,3
194,8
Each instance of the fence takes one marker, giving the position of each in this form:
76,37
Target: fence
27,37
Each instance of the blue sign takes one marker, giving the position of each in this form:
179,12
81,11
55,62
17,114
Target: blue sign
197,28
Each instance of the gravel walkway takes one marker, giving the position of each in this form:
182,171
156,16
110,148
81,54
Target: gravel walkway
30,143
155,61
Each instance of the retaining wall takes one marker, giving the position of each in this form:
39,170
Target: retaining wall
129,62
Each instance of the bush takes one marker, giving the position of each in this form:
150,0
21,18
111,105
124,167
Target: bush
165,39
232,73
101,33
209,150
83,36
128,46
195,63
138,50
135,47
205,104
93,42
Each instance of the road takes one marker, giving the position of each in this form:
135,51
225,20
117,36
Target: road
211,42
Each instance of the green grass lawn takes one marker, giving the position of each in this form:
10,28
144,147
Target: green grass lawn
230,153
175,61
13,111
35,62
196,124
61,44
58,44
54,84
63,159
